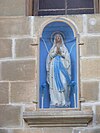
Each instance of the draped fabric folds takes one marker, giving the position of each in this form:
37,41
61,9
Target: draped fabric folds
58,68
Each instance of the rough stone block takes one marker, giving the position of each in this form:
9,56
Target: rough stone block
77,20
85,108
4,93
98,114
10,116
39,130
14,26
3,131
94,23
24,48
38,21
18,70
76,130
57,130
12,7
91,46
90,68
5,48
91,130
30,106
22,92
90,91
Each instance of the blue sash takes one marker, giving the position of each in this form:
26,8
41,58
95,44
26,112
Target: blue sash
58,66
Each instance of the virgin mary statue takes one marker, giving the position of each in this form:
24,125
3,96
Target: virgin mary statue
58,66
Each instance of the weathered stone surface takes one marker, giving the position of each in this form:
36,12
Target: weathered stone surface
90,91
40,21
91,46
34,130
98,114
30,106
57,130
90,68
91,130
24,48
77,20
60,118
39,130
85,108
93,23
3,130
4,93
12,7
5,48
76,130
18,70
14,26
22,92
10,116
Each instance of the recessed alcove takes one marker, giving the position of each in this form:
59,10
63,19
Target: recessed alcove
45,115
70,42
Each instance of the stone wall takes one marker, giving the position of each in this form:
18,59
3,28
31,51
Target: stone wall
12,8
18,72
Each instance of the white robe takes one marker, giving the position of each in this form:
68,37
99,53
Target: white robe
58,98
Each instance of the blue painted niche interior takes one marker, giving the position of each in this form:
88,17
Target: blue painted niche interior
70,43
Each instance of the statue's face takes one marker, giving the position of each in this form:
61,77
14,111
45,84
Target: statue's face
58,39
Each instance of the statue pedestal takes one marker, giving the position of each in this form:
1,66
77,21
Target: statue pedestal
60,118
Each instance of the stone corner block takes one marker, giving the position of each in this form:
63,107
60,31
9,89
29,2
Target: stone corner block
23,92
10,116
5,48
24,48
4,92
15,26
18,70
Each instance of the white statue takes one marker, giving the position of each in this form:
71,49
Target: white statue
58,68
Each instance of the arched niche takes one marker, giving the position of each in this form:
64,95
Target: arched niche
71,40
